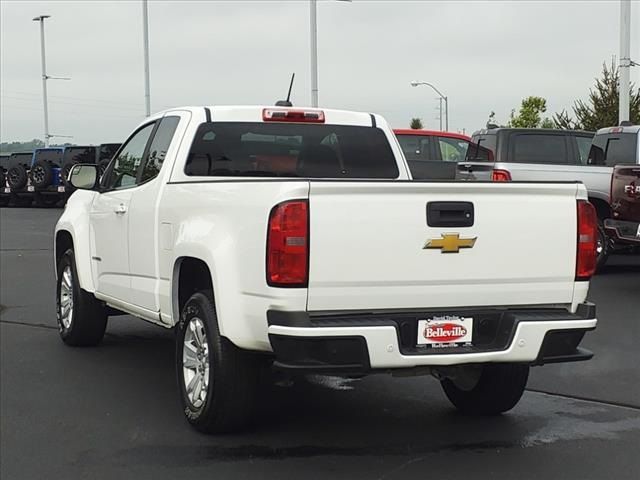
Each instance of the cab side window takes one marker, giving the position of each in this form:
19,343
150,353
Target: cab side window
158,148
125,166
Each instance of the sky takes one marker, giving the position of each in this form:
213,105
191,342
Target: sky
484,55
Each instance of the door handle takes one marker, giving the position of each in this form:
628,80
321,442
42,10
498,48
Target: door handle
120,209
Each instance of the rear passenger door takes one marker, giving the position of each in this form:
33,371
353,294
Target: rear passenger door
143,214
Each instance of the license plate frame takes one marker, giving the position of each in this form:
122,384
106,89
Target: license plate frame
445,331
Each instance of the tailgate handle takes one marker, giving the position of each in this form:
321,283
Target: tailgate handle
450,214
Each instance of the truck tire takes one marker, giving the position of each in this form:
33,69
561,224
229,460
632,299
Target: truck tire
603,247
17,177
82,319
41,174
3,178
498,389
217,380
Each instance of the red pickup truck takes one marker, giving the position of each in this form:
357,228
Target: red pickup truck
624,224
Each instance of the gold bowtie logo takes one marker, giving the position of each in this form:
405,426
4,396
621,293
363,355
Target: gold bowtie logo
450,243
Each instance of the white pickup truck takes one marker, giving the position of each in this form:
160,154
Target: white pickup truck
296,238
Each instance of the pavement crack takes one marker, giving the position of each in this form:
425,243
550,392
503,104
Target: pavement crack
26,324
586,399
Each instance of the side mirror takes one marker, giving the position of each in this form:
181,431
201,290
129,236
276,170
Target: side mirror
84,176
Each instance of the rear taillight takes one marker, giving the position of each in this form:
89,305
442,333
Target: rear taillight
586,255
498,175
298,116
288,245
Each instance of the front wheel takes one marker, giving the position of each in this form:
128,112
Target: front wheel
217,380
488,389
82,319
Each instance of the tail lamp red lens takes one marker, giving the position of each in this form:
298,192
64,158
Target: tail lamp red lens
298,116
586,255
288,245
498,175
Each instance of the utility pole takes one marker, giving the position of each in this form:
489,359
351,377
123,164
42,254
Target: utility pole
145,29
313,27
625,59
440,116
41,19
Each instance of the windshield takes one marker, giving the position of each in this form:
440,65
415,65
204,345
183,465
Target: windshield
290,150
80,155
481,149
53,155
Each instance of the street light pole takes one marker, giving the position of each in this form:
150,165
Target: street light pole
145,28
446,113
313,17
625,59
442,97
41,19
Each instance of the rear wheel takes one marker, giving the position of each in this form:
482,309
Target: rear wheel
488,389
217,380
603,247
82,319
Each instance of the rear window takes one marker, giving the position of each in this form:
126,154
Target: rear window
80,155
416,147
481,149
20,159
536,148
290,150
614,149
53,156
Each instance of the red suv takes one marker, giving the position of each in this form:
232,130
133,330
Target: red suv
432,154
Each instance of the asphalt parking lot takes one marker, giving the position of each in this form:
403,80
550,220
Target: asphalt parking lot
113,411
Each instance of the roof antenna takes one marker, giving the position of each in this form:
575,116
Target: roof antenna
287,102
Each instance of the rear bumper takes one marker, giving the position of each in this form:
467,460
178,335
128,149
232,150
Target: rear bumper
622,231
361,342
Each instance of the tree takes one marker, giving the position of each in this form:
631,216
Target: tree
416,124
11,147
530,114
601,108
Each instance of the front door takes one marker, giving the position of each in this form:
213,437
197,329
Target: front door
109,219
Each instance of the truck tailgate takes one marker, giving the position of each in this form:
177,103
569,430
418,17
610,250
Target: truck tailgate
367,244
625,192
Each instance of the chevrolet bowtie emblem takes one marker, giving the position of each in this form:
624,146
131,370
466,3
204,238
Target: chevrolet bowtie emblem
450,243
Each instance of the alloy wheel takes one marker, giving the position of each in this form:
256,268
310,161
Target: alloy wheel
195,362
66,297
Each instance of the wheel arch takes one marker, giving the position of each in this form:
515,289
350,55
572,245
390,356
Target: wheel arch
602,207
190,275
